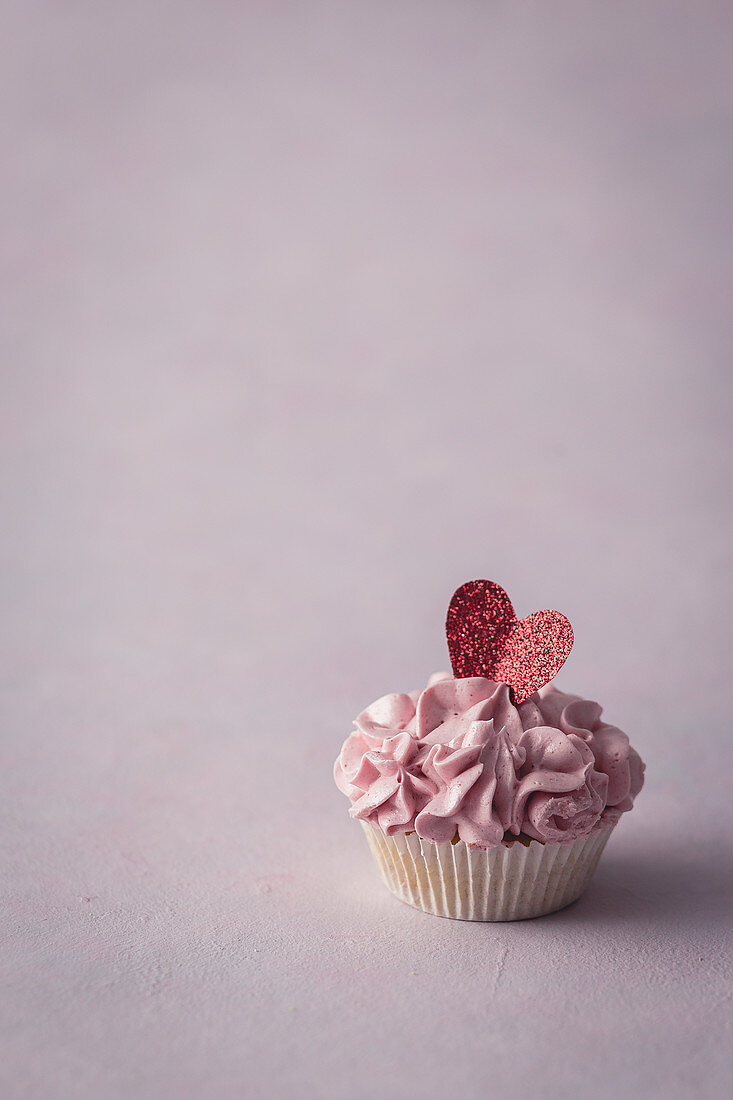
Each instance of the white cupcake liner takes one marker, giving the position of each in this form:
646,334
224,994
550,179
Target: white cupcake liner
510,882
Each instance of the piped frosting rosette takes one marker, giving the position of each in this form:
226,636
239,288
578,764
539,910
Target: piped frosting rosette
459,759
458,772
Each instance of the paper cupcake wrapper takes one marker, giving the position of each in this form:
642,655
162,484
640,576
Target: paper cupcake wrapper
510,882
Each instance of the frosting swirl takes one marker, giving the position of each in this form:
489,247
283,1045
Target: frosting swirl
459,758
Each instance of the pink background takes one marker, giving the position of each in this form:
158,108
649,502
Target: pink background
317,310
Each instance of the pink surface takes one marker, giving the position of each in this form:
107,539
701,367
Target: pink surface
315,312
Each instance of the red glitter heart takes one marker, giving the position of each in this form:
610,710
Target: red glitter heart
485,638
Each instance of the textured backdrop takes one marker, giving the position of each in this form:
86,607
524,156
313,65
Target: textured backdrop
313,311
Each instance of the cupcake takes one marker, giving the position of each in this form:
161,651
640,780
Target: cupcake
490,795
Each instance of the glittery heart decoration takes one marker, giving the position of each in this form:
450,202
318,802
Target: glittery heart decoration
485,638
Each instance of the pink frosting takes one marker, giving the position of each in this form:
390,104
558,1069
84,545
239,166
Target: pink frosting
461,758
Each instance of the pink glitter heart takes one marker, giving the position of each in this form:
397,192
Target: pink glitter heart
485,638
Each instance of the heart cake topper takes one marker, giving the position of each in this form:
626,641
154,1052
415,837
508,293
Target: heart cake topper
485,638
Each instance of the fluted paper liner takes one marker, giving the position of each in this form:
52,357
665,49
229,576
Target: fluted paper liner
510,882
